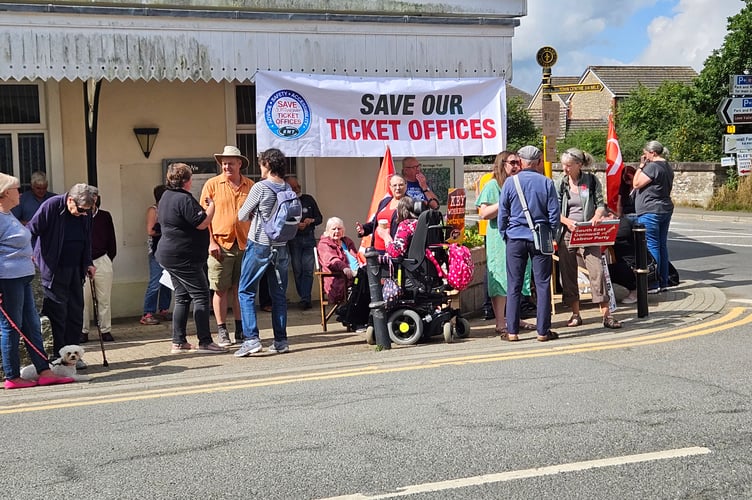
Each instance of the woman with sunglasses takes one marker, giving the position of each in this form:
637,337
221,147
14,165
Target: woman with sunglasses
507,164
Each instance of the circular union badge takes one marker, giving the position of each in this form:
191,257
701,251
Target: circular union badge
287,114
546,56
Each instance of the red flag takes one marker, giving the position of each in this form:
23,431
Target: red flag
380,191
615,165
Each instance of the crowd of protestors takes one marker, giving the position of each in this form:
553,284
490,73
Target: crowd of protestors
215,250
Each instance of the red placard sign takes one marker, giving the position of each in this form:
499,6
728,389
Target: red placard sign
601,234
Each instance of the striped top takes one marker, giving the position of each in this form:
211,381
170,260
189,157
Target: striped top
261,198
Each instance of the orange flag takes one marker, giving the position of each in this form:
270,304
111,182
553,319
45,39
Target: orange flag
615,165
380,191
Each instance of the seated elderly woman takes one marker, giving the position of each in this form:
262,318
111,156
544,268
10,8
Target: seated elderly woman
337,254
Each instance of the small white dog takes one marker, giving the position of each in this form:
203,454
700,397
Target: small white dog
64,366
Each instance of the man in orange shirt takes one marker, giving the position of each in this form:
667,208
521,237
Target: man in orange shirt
227,238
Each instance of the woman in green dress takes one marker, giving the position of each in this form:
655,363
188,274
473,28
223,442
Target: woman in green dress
506,164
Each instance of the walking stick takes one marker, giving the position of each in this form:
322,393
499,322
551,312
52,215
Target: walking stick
95,303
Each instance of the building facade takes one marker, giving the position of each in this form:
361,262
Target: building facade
76,79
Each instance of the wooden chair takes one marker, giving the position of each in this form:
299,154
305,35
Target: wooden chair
324,301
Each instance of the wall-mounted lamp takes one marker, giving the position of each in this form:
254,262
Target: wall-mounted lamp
146,138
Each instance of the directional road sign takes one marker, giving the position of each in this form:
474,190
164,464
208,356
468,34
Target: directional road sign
737,142
571,89
740,84
735,110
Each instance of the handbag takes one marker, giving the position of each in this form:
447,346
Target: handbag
543,236
390,290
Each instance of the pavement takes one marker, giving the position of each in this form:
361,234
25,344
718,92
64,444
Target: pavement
140,355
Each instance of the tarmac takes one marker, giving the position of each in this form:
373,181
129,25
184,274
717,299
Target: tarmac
140,357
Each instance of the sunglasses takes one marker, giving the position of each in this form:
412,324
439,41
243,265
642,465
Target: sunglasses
513,162
83,210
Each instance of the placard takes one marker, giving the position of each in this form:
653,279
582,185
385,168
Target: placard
744,162
601,234
456,215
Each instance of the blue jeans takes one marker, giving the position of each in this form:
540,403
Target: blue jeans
656,234
156,292
518,253
18,304
258,260
191,285
301,258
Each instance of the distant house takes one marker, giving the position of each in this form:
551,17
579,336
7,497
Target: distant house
589,110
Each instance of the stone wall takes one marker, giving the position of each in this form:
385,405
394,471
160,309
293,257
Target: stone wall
694,183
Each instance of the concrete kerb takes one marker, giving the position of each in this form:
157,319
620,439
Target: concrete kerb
139,359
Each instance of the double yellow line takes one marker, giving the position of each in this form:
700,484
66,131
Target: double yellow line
734,318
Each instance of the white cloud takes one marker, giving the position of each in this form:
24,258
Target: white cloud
683,32
690,35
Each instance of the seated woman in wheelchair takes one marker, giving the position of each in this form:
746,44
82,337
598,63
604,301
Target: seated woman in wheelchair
407,220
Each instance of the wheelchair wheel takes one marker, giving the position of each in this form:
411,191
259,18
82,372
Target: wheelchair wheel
462,328
446,329
405,327
370,335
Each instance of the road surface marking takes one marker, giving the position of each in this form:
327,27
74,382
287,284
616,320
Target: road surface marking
726,322
528,473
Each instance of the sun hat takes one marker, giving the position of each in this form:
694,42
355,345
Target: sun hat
231,151
529,153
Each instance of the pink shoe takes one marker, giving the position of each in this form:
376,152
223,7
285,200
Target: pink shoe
19,383
55,380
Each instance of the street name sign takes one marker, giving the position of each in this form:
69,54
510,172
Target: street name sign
735,110
737,142
571,89
740,84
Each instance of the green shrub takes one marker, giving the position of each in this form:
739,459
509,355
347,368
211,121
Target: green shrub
472,238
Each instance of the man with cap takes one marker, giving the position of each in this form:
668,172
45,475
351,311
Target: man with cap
543,206
227,237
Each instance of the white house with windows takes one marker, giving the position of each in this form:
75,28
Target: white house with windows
77,77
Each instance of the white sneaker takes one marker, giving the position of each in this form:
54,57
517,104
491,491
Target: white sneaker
248,347
281,349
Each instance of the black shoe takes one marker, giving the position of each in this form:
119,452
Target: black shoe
84,338
305,305
527,310
107,337
489,314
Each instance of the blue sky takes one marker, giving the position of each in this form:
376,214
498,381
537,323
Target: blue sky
597,32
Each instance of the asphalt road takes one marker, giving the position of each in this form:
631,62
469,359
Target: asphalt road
664,417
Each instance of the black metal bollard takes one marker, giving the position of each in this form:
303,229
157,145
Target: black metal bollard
378,311
641,258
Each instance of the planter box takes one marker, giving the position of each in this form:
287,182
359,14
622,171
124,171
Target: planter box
471,299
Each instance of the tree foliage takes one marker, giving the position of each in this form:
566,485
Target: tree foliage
668,115
681,117
521,131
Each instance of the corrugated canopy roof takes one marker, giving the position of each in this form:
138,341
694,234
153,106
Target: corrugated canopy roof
57,47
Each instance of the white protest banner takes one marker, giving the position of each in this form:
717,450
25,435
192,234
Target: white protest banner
328,115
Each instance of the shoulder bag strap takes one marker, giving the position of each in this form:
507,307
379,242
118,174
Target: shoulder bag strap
523,201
